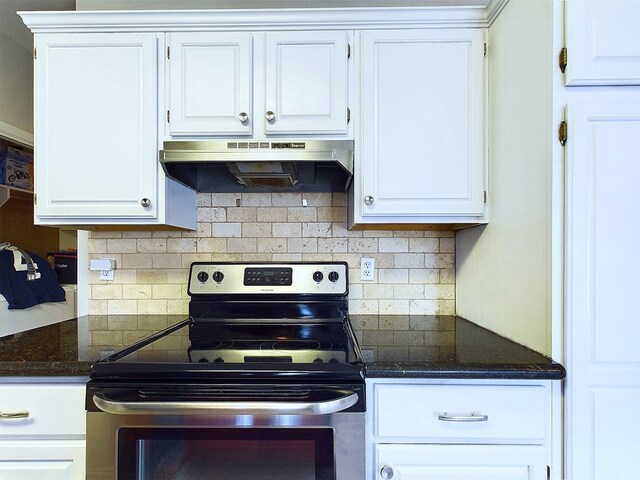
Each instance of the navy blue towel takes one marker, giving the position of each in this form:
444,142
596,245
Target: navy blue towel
21,293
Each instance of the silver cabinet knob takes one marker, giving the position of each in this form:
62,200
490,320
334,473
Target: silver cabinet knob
243,117
386,472
368,200
270,116
145,202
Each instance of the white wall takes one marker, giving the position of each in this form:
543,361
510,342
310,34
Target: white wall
503,270
16,84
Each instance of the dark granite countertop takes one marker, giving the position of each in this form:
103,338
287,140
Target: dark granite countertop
446,347
402,347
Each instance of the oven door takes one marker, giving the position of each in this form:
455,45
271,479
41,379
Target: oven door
266,439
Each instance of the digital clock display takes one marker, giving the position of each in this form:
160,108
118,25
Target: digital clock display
268,276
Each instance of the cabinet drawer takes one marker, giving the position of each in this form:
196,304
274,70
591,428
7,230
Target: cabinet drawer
54,409
461,413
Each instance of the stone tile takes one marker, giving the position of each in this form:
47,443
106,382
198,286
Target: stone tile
242,245
167,292
408,260
332,245
225,199
211,214
260,230
210,245
377,337
393,244
272,214
302,214
181,245
287,230
447,245
152,245
152,306
166,260
228,229
120,245
393,275
316,229
375,291
286,199
408,291
136,260
302,245
363,307
424,245
136,292
272,245
424,275
363,245
256,200
408,338
332,214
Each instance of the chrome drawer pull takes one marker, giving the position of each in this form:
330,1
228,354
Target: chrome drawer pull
474,417
14,415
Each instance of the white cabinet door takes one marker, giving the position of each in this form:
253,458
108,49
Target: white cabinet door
210,83
423,145
42,460
602,285
603,42
96,123
306,82
460,462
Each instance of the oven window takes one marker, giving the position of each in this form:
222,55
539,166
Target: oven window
226,453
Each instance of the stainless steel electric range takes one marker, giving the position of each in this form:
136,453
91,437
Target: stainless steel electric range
264,380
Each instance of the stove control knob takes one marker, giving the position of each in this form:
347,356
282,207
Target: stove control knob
333,277
203,276
317,360
217,276
218,360
203,360
317,276
333,360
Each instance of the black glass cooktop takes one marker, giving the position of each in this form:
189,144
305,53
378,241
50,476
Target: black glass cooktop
246,348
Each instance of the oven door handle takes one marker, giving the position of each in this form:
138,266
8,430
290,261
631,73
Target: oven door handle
326,407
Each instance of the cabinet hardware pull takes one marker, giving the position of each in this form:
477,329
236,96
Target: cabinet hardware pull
368,200
474,417
269,115
145,202
386,472
13,415
243,117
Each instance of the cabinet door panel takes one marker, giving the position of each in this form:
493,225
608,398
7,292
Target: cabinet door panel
462,462
96,122
306,82
423,137
603,362
602,42
42,460
210,83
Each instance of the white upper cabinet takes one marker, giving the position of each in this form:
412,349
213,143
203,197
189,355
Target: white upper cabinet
210,83
306,83
422,155
603,42
96,118
260,84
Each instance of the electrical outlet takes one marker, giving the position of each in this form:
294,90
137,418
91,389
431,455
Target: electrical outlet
367,268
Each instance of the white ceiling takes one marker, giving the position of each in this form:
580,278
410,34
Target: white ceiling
11,24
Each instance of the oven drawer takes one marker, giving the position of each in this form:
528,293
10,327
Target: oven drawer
42,409
460,413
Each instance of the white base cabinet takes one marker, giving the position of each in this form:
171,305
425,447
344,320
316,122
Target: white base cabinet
46,437
460,462
458,430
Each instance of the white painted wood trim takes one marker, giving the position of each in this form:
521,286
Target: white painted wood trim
16,134
262,19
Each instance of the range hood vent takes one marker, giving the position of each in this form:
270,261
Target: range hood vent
278,166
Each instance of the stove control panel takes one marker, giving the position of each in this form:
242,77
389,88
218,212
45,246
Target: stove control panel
209,278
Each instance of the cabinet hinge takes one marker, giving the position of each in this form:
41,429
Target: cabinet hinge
348,51
548,472
562,133
168,116
35,53
485,49
348,114
168,53
485,196
35,199
562,59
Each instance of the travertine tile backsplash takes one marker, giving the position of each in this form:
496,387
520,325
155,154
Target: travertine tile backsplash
414,269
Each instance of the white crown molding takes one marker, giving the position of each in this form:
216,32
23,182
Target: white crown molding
494,7
262,19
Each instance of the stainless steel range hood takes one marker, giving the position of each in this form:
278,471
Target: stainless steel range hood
267,166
